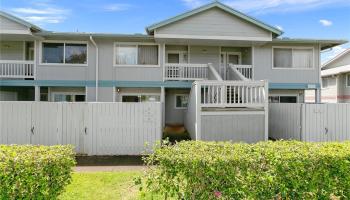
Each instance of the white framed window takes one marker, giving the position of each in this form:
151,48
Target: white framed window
67,97
177,57
292,57
140,98
283,99
181,101
66,52
134,54
347,80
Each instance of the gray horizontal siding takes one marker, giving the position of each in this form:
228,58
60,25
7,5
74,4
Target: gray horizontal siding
11,50
214,22
6,24
263,67
237,128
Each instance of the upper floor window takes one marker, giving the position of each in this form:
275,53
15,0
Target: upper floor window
136,54
294,58
64,53
348,80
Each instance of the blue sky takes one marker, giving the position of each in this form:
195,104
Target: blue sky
328,19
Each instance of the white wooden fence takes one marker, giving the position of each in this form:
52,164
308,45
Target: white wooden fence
93,128
310,122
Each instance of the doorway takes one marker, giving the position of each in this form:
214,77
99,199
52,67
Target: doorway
227,58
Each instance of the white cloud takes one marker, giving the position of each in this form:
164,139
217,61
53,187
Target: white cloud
116,7
325,22
279,27
42,12
268,6
193,3
47,11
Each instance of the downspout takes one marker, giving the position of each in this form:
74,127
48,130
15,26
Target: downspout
96,68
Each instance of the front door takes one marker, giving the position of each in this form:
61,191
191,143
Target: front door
226,59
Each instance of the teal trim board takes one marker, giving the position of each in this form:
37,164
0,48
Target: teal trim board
101,83
304,86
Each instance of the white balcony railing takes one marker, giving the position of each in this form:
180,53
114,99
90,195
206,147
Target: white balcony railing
233,93
16,69
245,70
185,71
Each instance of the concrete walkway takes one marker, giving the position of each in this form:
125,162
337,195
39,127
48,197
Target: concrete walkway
108,168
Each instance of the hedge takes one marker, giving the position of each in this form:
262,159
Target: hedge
34,172
266,170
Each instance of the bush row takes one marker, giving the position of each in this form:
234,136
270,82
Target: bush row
34,172
266,170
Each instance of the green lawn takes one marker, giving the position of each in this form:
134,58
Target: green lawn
103,185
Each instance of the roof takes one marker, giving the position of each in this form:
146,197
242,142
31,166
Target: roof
20,21
343,53
335,71
215,4
82,34
325,43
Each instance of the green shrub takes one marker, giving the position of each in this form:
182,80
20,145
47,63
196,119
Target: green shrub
266,170
34,172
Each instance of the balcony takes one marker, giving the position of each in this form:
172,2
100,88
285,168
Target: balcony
240,72
185,71
17,69
223,94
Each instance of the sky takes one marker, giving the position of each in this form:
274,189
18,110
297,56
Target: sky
320,19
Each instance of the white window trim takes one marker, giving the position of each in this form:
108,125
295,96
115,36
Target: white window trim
180,108
64,53
180,52
137,44
285,95
52,94
121,95
293,47
347,76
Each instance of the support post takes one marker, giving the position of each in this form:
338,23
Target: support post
36,93
266,109
318,95
162,100
198,110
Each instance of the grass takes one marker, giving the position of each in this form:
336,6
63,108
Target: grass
104,185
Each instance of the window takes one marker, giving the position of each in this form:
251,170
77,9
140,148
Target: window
301,58
61,97
141,98
181,101
64,53
328,82
75,53
283,99
348,80
126,54
177,57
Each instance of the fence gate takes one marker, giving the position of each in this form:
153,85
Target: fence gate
15,122
93,128
76,126
46,120
310,122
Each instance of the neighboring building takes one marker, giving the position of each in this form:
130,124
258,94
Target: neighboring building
210,43
336,79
